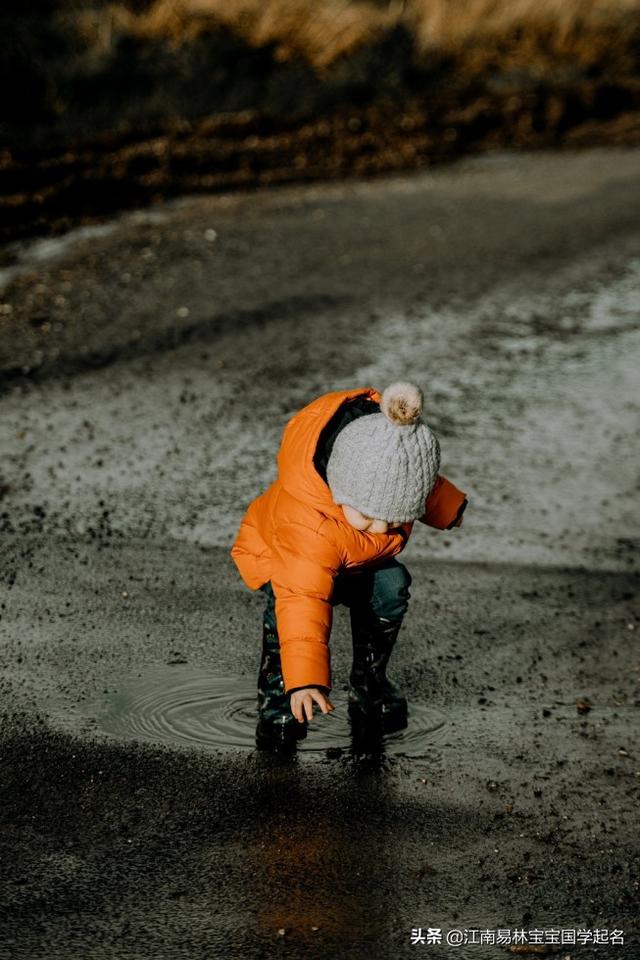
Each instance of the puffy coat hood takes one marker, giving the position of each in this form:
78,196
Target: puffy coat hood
296,468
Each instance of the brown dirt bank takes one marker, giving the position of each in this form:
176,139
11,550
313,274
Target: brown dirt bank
123,107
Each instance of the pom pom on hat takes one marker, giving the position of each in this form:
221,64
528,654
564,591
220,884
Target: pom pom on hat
402,403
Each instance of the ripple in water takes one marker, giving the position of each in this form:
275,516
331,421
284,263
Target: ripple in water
183,705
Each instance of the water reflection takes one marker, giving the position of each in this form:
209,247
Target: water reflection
321,858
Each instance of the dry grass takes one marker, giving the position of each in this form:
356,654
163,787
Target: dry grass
322,32
452,23
319,32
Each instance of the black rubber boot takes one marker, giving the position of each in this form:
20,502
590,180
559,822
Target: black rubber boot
373,699
277,727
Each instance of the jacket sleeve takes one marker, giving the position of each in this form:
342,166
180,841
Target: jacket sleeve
444,504
305,564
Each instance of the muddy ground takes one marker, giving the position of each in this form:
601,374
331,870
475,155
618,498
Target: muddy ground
148,371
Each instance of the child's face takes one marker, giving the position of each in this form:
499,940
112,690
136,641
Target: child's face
367,524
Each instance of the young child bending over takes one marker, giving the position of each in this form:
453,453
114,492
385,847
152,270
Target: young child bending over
356,469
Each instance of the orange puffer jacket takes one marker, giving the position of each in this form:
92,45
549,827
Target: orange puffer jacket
296,536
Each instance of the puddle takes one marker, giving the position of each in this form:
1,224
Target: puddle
182,705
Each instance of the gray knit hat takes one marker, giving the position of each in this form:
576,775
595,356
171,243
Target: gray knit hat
385,464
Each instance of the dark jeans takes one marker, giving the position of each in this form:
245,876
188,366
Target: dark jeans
384,590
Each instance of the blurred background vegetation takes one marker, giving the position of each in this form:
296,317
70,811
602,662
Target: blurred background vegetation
109,105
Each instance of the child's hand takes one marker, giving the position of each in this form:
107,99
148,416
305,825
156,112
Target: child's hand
302,703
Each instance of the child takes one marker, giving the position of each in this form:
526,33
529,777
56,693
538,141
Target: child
355,470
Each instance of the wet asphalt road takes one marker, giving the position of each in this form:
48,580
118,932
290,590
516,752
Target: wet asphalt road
148,370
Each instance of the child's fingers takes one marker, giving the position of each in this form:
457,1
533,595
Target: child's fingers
325,705
302,708
296,710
